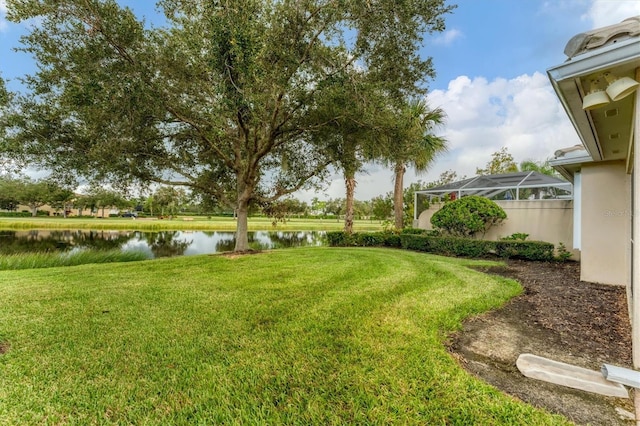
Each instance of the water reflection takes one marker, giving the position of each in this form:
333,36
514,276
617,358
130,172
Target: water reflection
155,244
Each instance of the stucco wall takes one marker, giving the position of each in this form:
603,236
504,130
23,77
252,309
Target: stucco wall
543,220
606,223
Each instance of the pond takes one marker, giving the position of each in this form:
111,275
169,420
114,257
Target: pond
155,244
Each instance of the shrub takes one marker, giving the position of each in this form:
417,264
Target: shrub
445,245
526,250
518,236
392,240
339,239
562,253
369,239
448,246
364,239
413,231
467,216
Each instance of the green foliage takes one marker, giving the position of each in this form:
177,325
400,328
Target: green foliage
501,162
52,260
382,207
414,231
448,246
412,143
517,236
539,166
15,214
562,254
446,177
466,247
468,216
409,206
269,88
282,210
9,193
363,239
526,250
421,240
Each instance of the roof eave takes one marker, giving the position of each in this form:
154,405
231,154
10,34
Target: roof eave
565,79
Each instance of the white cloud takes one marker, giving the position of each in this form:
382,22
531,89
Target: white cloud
602,13
522,114
448,37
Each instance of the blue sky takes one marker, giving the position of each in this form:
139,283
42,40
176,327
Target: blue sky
491,82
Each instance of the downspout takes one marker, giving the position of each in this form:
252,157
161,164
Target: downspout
635,253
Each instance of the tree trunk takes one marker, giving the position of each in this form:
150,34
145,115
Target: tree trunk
350,182
34,210
242,226
398,195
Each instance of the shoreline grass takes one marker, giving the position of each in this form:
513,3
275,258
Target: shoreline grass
297,336
75,258
180,224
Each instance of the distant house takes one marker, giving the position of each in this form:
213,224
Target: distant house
598,87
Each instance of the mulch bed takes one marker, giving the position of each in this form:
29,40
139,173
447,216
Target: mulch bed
589,318
559,317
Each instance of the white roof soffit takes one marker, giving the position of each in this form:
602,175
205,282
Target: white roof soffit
620,54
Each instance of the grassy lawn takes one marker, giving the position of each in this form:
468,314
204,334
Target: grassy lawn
180,224
297,336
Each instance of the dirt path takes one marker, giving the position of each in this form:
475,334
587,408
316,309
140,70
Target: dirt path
559,317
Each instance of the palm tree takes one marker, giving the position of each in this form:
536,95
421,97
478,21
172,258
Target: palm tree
538,166
413,144
348,138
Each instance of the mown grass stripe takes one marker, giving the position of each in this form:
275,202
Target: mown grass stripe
304,336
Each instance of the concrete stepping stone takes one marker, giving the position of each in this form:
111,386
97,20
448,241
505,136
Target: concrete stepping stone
559,373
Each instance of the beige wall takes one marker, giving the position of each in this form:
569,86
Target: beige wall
606,223
543,220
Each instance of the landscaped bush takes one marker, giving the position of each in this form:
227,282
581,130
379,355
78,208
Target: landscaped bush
369,239
527,250
468,216
339,239
363,239
448,246
417,231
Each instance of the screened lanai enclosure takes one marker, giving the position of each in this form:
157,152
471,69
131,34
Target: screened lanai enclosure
507,186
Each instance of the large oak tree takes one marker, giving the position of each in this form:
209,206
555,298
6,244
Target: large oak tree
220,99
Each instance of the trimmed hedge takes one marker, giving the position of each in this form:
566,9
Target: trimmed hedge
444,245
15,214
363,239
448,246
526,250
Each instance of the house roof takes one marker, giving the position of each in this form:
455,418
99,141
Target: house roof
569,160
490,185
595,39
605,132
